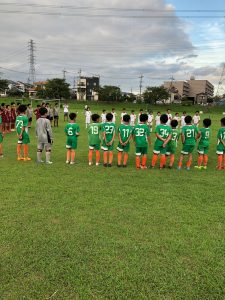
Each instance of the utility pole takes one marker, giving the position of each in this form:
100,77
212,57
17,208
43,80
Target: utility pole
31,56
140,85
171,85
74,82
64,74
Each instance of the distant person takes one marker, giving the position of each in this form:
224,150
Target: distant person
22,133
94,139
103,116
163,134
203,145
141,137
221,146
123,113
196,119
109,132
171,146
157,118
189,135
132,118
114,115
65,112
150,120
29,115
125,132
1,134
44,137
182,119
170,117
72,131
56,115
87,117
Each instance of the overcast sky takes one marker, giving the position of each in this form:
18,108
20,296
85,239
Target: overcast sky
118,40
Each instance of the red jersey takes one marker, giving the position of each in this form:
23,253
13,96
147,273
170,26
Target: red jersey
37,113
4,115
13,115
7,116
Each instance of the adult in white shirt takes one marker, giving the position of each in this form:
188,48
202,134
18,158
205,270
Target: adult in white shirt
140,113
88,117
182,119
66,111
196,119
123,113
103,116
177,118
170,117
132,118
157,118
150,120
114,115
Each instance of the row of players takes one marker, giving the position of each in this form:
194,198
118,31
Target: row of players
9,113
135,119
102,136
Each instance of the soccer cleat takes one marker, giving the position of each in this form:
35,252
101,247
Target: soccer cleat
72,162
124,166
27,159
97,164
178,168
219,168
187,168
144,167
67,162
170,167
204,167
49,162
105,165
119,166
90,163
197,167
20,158
40,161
109,165
1,156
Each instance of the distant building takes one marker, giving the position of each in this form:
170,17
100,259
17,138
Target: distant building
87,88
37,86
196,90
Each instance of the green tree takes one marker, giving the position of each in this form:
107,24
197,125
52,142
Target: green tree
56,88
3,85
109,93
154,93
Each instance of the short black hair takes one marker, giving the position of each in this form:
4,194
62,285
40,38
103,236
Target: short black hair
176,113
72,116
184,112
56,103
113,108
3,104
43,111
222,121
126,118
109,117
143,117
188,119
22,108
12,103
164,119
95,117
141,109
38,105
124,108
132,111
197,111
207,122
7,105
158,112
174,123
168,109
103,110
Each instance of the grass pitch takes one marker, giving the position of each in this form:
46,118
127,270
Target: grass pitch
80,232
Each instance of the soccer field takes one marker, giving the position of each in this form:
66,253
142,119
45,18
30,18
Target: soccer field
87,232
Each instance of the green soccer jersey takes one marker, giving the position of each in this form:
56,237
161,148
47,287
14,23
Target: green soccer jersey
125,131
163,131
21,121
141,134
94,131
174,138
190,132
109,129
72,129
221,136
205,137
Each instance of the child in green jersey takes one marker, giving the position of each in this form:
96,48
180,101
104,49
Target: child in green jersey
72,131
163,134
1,135
94,139
141,137
203,145
109,132
22,133
172,144
189,135
221,146
125,132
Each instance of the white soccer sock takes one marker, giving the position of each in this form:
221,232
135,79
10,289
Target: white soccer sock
39,156
48,156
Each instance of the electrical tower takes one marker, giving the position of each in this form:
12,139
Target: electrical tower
64,74
31,49
220,89
140,85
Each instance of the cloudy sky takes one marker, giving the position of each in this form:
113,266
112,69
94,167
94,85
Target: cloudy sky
118,40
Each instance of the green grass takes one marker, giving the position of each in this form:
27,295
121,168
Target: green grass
80,232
